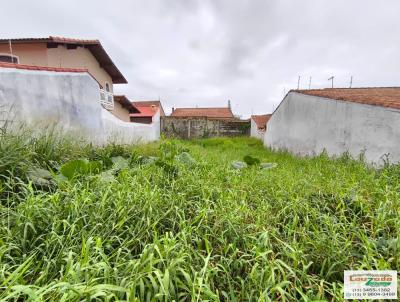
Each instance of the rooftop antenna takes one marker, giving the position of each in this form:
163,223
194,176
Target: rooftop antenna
10,45
351,81
229,103
331,79
298,83
309,84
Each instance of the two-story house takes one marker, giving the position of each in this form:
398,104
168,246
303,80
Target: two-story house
68,53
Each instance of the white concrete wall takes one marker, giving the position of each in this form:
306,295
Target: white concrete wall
68,100
254,132
306,125
118,131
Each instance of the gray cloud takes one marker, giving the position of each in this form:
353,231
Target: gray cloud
192,52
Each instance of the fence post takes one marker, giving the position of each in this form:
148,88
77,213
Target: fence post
189,125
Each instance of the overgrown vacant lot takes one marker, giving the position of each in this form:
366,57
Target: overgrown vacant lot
122,225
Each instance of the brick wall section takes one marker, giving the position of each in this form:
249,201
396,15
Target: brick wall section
202,127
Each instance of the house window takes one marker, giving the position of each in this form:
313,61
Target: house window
8,58
106,97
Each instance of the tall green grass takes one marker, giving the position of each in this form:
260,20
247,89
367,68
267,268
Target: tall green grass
172,232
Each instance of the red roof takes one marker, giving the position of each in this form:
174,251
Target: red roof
261,120
224,113
150,104
377,96
94,47
145,111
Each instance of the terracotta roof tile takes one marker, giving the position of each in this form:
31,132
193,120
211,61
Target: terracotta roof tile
203,112
261,120
145,111
156,103
378,96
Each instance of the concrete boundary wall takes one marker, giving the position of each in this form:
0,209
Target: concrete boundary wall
308,125
201,127
69,100
118,131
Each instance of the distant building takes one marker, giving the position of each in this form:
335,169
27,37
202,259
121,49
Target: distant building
123,108
259,125
147,111
59,52
214,113
355,120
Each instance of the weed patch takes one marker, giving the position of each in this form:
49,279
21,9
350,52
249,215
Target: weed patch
172,221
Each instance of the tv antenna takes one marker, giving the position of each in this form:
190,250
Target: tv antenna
331,79
309,84
351,81
11,50
298,83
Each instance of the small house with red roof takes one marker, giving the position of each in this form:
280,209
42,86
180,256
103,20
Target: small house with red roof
147,112
356,121
258,124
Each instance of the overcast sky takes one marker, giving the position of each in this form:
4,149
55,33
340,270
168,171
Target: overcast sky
202,53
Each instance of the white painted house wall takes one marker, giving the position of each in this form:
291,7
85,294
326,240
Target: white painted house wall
306,125
254,132
69,100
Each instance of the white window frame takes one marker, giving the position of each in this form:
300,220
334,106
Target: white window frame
10,55
107,97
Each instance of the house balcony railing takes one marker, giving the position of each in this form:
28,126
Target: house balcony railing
106,99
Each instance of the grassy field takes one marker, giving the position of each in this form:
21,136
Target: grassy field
121,225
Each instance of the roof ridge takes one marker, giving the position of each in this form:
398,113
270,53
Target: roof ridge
347,88
65,39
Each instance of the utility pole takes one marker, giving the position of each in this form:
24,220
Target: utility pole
351,81
309,84
298,83
331,79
